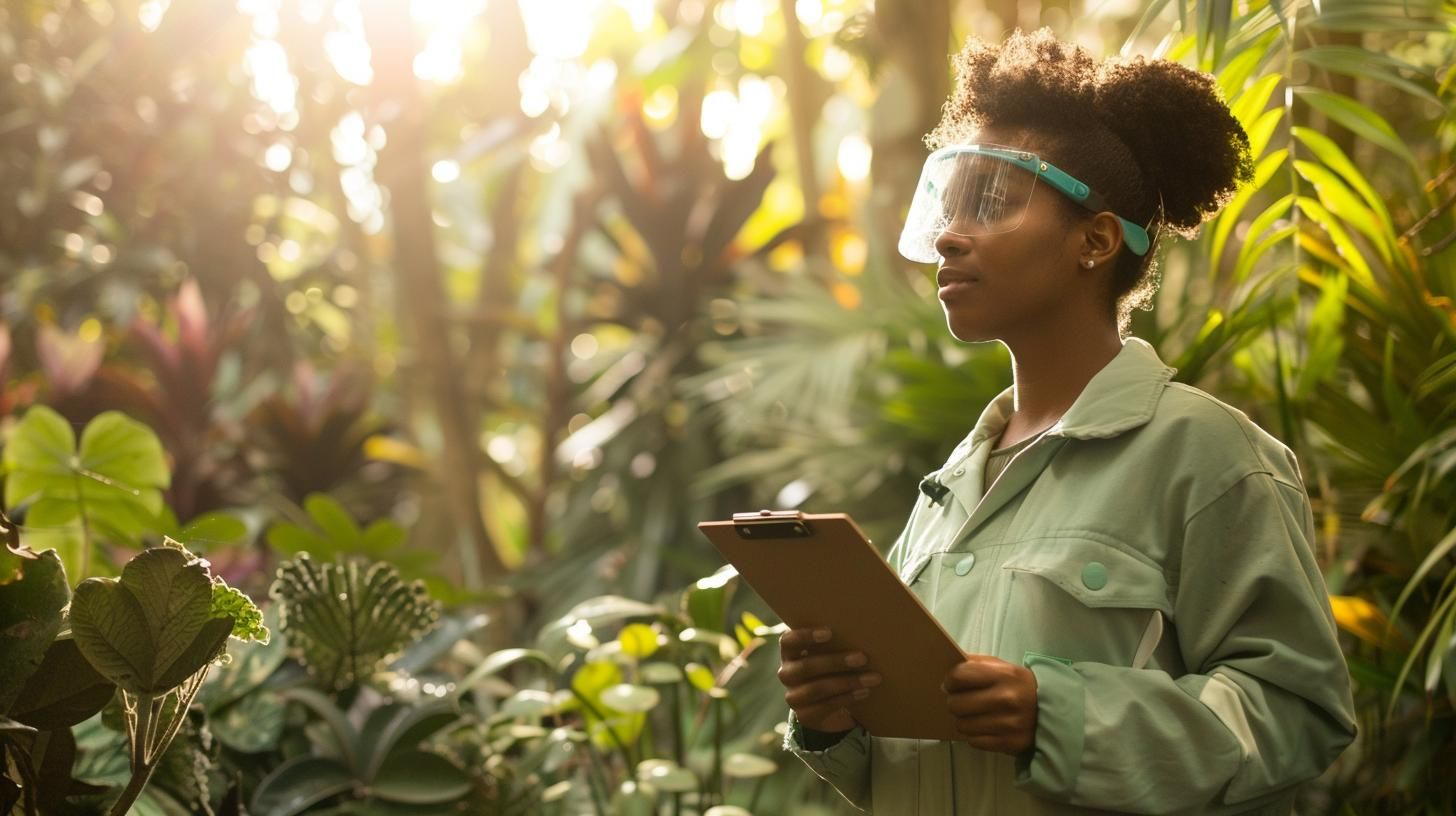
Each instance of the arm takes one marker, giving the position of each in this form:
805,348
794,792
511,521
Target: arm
839,757
1266,703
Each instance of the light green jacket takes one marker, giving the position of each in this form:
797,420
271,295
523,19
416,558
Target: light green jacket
1149,559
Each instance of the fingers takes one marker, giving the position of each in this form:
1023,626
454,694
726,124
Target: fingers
795,671
795,641
825,695
977,671
983,702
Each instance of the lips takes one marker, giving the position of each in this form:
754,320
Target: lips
948,276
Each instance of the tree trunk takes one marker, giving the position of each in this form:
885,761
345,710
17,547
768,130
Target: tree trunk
403,170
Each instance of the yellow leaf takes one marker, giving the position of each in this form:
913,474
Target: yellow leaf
388,449
638,640
1364,620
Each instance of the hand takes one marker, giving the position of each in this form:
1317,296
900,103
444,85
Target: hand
994,704
820,681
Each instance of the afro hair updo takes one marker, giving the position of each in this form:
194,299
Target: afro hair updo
1155,138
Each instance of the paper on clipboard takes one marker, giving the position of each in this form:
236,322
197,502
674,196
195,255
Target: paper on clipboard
818,570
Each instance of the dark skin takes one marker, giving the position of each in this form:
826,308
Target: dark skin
1032,289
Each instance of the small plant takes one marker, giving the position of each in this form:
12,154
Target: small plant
152,634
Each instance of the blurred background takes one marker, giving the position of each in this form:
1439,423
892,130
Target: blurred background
532,287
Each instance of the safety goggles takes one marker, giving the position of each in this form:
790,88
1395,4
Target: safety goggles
983,189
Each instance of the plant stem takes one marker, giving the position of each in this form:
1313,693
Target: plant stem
85,528
133,790
718,750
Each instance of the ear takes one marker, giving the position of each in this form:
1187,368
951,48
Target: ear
1101,239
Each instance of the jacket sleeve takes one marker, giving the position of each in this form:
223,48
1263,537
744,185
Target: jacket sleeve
844,765
1265,704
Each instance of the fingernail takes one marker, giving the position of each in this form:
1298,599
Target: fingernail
860,694
870,679
856,660
822,635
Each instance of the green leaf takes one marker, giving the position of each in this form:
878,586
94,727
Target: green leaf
394,728
227,602
1325,149
638,640
1366,64
1358,119
344,621
420,778
251,664
213,529
499,661
251,725
630,699
332,519
1338,199
30,618
150,630
64,691
116,475
345,739
748,766
1251,104
299,784
1353,260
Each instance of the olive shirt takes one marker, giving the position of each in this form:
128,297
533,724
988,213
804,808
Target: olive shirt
1149,559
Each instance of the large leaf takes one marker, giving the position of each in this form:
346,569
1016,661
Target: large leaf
416,777
64,691
151,629
107,489
1358,119
344,621
299,784
30,618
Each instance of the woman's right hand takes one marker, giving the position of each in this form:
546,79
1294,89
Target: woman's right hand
821,683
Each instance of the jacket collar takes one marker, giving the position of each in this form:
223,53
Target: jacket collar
1120,397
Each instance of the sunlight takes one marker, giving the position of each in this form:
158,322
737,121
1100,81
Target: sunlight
560,29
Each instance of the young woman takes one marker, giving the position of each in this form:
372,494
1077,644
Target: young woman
1125,560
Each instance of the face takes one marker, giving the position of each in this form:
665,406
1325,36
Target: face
1009,284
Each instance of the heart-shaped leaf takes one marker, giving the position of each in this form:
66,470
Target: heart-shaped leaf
150,630
110,486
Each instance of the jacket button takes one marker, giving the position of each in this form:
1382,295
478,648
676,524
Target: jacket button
1094,576
964,565
959,472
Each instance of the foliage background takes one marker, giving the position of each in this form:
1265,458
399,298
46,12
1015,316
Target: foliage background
539,285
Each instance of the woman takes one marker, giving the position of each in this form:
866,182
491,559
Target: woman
1126,560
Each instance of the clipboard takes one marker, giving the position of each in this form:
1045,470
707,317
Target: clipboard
820,570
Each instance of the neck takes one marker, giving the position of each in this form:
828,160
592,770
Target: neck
1051,367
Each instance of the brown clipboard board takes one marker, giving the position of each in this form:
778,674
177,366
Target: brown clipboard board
818,570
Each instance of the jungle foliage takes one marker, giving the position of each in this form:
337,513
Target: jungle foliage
440,353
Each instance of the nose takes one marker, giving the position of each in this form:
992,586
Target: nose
951,245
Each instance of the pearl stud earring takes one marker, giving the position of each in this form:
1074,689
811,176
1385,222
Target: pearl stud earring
1088,263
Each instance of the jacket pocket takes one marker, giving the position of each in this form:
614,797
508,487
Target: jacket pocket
1083,599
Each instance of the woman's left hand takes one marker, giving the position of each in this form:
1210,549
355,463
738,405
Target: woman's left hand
994,704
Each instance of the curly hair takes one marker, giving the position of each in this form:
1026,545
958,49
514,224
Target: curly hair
1154,137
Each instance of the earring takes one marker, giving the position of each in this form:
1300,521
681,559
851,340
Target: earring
1089,263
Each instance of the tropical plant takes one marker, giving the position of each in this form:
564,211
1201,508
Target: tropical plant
151,634
81,499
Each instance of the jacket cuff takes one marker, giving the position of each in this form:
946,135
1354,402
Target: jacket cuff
1050,768
849,754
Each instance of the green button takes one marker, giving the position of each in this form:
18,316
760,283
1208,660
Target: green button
1094,576
964,565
